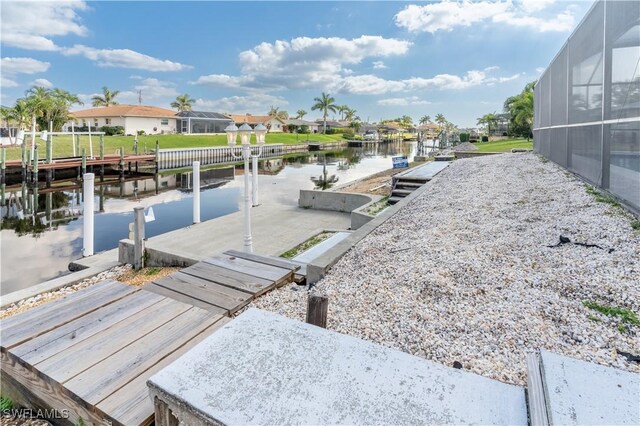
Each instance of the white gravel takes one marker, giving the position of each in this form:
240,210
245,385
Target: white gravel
479,284
31,302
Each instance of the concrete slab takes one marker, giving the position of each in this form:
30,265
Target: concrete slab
579,392
315,251
262,368
275,229
428,171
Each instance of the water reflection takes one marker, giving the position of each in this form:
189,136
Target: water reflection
42,227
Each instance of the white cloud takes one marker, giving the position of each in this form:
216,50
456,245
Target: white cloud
540,70
536,5
256,104
11,67
42,82
304,62
448,81
379,65
7,82
562,22
412,100
124,58
367,85
446,15
29,25
152,90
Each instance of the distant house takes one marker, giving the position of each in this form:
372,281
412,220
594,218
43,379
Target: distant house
272,123
199,122
331,124
132,118
429,130
298,123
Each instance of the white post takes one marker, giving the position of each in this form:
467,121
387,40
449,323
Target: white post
254,175
196,192
33,136
87,230
73,138
90,142
248,246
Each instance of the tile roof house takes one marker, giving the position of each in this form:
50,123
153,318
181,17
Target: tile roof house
272,123
150,119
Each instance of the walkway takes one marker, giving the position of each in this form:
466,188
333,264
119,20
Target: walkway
92,351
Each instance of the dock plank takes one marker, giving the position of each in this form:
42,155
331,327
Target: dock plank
58,339
24,331
131,404
115,371
182,298
230,278
54,305
279,275
72,361
207,291
267,260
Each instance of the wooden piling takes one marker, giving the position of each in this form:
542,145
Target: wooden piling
121,163
102,158
49,153
138,238
317,308
34,176
157,154
3,166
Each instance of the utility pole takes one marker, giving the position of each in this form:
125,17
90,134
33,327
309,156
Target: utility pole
140,97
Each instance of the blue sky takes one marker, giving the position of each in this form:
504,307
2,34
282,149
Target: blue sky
384,59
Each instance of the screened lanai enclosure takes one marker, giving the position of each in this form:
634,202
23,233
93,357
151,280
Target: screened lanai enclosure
198,122
587,102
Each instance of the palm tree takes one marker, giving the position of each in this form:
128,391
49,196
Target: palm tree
487,119
325,103
425,119
324,181
350,114
275,112
406,121
520,108
183,103
106,99
301,113
57,112
441,120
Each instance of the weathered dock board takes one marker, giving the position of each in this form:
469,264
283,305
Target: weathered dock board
91,352
225,283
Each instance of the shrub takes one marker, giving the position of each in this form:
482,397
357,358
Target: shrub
348,133
112,130
303,129
485,139
464,137
141,132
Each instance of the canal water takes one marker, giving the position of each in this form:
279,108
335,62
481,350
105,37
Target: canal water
42,228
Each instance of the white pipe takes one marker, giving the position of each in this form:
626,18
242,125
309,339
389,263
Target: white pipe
196,192
90,142
254,175
33,136
73,138
248,246
87,229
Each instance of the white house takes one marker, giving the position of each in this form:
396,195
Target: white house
152,120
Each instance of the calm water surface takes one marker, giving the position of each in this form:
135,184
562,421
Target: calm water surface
37,247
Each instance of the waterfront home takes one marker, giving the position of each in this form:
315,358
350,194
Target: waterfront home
132,118
201,122
271,122
296,123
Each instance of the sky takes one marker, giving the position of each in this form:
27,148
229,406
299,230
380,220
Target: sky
383,59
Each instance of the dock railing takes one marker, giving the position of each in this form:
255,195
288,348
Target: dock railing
184,157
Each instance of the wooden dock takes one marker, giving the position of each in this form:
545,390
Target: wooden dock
91,352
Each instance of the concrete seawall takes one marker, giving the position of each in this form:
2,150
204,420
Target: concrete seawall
348,202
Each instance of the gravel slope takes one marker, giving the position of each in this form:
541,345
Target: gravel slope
478,283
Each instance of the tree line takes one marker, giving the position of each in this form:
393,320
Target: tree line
519,111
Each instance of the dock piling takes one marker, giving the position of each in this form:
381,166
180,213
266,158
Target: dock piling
3,165
138,238
196,192
317,307
34,175
84,161
254,184
87,229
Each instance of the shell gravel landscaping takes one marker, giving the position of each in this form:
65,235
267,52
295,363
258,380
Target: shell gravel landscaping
478,282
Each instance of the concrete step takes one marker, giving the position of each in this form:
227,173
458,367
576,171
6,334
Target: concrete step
401,192
408,185
309,255
567,391
393,200
445,158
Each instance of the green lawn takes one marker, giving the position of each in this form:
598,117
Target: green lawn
504,146
62,146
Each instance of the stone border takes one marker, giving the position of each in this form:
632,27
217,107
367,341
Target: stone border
319,267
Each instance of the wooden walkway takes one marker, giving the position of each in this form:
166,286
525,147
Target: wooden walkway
92,351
